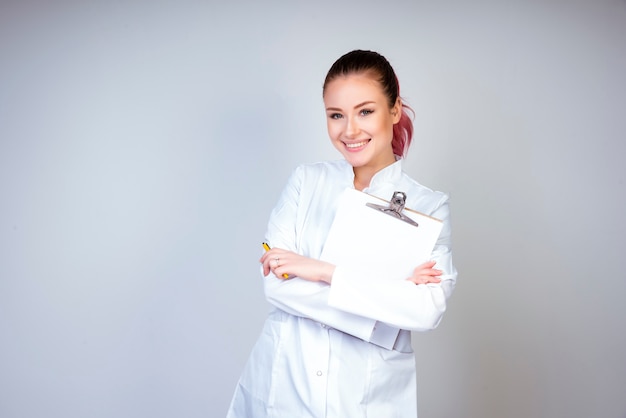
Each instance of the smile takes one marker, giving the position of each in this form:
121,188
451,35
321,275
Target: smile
357,144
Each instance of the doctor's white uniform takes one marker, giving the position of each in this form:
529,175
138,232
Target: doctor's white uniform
320,354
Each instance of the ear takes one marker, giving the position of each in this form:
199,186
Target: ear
396,111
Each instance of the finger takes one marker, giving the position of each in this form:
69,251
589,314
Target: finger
267,255
270,263
266,268
266,259
279,269
425,266
427,272
280,275
422,279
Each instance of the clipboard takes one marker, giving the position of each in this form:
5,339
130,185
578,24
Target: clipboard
383,239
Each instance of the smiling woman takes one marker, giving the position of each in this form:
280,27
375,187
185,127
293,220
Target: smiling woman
360,124
316,357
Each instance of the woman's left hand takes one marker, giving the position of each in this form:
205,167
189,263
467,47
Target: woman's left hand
426,273
280,262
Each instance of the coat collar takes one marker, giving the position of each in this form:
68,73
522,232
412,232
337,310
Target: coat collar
383,181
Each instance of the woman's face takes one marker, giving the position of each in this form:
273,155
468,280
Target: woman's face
360,122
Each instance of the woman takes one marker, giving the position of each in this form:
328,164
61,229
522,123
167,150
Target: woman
314,359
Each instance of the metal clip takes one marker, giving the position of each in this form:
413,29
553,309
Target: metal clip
396,205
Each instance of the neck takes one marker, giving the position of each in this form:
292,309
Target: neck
361,182
363,175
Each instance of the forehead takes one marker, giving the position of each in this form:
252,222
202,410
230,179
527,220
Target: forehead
356,87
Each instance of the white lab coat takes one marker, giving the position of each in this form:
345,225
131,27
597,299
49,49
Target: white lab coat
320,354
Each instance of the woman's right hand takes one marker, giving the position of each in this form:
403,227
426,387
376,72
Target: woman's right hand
287,264
425,273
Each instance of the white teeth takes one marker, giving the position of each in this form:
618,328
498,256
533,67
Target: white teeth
356,145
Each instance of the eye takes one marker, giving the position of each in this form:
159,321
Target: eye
335,115
365,112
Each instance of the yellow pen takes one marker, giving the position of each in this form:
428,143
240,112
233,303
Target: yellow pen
267,248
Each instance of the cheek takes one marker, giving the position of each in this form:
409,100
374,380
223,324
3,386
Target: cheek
385,126
334,129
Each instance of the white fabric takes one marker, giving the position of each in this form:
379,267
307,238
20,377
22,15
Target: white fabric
321,354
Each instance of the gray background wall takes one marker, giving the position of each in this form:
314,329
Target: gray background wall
143,145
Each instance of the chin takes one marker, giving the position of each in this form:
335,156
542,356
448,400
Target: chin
355,162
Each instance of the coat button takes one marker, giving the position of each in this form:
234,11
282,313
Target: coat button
319,372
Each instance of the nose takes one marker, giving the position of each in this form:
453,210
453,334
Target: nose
352,128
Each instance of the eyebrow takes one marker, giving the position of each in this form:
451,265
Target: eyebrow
355,107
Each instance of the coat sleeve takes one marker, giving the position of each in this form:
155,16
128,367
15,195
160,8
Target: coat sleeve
402,303
305,298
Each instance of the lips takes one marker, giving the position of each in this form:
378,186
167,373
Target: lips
356,145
